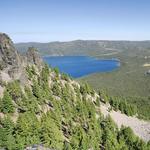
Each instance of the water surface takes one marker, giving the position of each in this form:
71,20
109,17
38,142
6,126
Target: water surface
78,66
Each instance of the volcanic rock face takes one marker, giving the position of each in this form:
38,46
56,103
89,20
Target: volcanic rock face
9,57
10,60
12,64
33,56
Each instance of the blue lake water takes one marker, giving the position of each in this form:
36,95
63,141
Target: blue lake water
78,66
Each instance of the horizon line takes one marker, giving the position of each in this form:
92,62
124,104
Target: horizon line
65,41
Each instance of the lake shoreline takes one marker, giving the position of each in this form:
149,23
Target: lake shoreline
79,66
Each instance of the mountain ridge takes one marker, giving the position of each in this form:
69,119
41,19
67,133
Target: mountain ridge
83,47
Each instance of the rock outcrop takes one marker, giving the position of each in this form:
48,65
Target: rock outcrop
12,64
9,57
33,57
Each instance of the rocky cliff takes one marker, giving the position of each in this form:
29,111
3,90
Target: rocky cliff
9,57
12,64
33,56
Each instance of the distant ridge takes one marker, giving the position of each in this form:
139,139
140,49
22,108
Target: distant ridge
84,47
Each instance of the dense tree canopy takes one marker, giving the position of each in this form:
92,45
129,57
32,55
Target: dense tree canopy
60,116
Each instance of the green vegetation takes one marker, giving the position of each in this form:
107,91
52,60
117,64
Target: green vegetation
133,87
88,47
117,104
59,115
128,82
6,104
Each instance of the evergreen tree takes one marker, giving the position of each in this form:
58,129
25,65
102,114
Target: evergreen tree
7,104
7,138
51,135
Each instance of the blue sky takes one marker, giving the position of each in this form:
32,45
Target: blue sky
65,20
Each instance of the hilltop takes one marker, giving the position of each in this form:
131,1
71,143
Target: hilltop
39,105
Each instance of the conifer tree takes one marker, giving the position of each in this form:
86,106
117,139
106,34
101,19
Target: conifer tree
7,104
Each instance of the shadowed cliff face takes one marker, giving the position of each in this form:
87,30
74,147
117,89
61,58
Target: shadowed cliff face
9,57
12,64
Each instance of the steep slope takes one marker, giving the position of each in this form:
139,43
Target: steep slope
140,127
9,58
53,110
12,64
8,55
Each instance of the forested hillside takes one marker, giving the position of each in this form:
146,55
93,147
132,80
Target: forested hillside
49,108
130,82
59,113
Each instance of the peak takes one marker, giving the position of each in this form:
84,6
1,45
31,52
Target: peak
32,49
33,56
12,64
8,53
5,38
3,35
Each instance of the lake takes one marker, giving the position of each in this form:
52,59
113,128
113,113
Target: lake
78,66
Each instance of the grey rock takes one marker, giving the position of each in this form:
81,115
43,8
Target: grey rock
12,64
33,56
9,57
